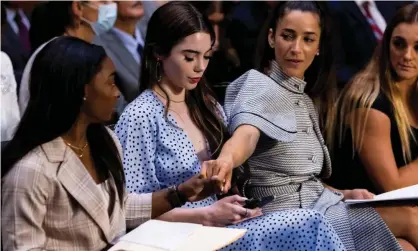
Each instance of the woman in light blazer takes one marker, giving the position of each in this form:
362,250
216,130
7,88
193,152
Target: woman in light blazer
62,176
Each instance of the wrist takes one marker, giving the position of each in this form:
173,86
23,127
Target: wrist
182,193
227,158
175,197
205,215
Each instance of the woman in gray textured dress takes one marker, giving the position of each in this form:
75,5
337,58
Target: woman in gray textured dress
275,114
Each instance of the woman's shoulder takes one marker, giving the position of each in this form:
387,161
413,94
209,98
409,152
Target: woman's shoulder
143,113
382,103
146,104
33,167
7,75
5,60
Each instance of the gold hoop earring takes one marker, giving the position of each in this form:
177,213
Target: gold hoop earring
158,72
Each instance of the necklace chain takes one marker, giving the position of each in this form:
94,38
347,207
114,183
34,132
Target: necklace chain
79,149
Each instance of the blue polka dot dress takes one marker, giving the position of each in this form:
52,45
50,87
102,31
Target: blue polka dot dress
157,154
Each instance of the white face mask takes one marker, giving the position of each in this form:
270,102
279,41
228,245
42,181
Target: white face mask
106,18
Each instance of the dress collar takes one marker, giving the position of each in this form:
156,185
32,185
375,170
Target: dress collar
293,84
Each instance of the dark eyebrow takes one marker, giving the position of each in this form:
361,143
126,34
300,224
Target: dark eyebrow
289,30
398,37
195,52
293,31
310,33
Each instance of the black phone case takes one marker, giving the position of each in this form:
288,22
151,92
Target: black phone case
258,202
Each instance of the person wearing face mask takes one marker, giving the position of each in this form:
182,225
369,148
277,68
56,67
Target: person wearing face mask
124,44
81,19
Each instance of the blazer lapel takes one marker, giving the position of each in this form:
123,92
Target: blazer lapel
77,181
355,12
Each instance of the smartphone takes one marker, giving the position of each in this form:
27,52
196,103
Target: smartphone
258,202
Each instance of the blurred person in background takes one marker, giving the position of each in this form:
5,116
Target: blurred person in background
225,61
360,25
243,29
81,19
375,145
149,8
124,44
15,42
10,114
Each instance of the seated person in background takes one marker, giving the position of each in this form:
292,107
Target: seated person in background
81,19
15,42
124,44
10,114
378,148
63,186
176,124
276,113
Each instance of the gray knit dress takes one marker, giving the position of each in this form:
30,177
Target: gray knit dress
291,157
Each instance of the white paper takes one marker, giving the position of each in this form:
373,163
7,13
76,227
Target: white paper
407,193
161,234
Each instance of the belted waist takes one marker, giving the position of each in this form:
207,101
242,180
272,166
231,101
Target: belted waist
290,191
279,180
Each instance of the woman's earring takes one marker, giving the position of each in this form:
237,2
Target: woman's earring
317,53
158,71
84,98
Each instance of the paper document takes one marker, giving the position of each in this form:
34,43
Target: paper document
407,193
161,234
155,235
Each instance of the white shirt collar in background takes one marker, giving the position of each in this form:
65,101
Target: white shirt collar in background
374,11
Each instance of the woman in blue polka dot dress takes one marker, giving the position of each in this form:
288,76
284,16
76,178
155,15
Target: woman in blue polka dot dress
175,124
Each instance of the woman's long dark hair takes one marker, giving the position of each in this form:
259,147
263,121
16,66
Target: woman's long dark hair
321,74
57,81
168,26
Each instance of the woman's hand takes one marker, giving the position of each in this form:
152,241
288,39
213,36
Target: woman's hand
357,194
198,187
229,210
219,169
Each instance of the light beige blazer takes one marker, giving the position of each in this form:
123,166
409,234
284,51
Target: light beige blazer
50,202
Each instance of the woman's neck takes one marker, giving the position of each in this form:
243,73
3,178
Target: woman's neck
82,32
175,94
77,135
